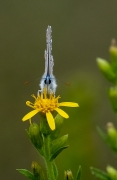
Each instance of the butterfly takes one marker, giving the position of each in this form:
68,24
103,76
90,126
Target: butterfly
48,80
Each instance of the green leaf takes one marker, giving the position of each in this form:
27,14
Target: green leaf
57,146
27,174
100,174
53,156
78,176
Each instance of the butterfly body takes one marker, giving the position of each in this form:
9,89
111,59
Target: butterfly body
48,80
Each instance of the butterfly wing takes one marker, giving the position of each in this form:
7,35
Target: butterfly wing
49,51
48,76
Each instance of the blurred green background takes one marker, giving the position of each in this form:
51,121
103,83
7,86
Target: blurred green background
82,30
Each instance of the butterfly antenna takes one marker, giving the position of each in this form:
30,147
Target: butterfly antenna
67,84
28,82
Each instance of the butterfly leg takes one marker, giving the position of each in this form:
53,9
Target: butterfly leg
39,92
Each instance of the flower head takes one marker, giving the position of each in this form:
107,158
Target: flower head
47,105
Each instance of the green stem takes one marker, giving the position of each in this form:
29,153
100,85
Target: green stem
50,172
49,165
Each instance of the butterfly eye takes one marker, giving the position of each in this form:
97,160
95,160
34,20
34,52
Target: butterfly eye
49,81
45,81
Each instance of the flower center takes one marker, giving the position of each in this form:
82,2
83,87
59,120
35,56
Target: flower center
44,104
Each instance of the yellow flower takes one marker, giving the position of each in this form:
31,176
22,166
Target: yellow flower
46,105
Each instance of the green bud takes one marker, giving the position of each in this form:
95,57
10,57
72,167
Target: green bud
113,50
37,171
113,97
111,130
35,135
112,135
112,172
106,69
68,175
58,124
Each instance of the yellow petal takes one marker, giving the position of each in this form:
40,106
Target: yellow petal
69,104
30,114
50,120
62,113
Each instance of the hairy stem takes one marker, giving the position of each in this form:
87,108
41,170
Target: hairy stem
49,165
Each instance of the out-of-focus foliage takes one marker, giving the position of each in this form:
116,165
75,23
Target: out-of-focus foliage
110,73
100,174
109,70
110,137
111,173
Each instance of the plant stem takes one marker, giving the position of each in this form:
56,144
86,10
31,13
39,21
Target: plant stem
50,172
49,165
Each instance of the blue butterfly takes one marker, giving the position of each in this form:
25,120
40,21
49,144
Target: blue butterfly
48,80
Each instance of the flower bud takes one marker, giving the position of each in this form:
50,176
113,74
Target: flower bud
35,135
113,97
112,136
106,69
68,175
111,130
37,171
112,172
113,50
